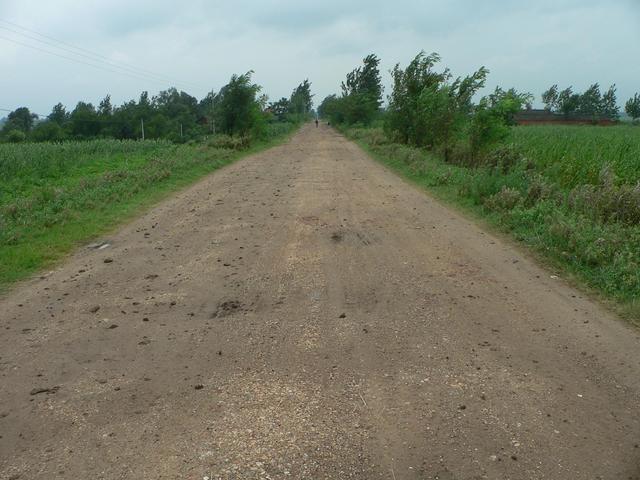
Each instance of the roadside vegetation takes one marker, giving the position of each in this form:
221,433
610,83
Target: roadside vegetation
55,195
570,193
238,108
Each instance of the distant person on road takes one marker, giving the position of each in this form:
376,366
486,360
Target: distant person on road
316,123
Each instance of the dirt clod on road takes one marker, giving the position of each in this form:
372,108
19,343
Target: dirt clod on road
304,313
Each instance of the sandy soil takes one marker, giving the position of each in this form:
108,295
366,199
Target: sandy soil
306,314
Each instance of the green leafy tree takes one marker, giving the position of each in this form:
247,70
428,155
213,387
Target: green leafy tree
125,121
84,121
20,119
172,114
105,109
15,136
330,108
632,107
609,105
444,110
301,101
144,106
568,102
362,92
509,102
591,102
402,121
47,131
205,112
550,98
493,117
237,110
59,114
280,109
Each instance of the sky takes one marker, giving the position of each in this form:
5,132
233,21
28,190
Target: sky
196,45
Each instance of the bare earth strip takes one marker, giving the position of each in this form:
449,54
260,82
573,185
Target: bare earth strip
304,313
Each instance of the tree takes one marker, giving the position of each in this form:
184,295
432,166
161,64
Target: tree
15,136
490,124
509,102
362,92
590,104
632,107
172,114
125,121
84,121
280,109
444,109
609,105
104,108
330,108
550,99
402,122
301,101
47,131
568,102
59,114
20,119
236,107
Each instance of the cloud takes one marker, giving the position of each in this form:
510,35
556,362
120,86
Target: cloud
200,43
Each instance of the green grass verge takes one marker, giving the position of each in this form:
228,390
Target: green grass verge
54,198
597,253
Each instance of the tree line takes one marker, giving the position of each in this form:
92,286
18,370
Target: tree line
239,108
591,103
427,107
430,107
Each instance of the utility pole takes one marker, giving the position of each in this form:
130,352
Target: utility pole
212,95
181,131
142,124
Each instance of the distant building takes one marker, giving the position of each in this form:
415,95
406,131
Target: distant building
539,116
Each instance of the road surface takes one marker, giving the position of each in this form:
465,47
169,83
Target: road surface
306,314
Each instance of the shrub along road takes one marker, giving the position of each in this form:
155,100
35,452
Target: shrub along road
304,313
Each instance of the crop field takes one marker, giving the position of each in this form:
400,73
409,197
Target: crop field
54,196
571,193
575,155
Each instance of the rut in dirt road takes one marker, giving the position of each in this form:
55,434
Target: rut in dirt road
304,313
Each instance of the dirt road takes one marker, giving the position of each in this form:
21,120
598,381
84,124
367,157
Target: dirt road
306,314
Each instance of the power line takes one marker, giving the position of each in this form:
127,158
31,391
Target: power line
101,67
91,58
38,114
95,58
93,54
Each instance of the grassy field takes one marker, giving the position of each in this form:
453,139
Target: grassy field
570,193
53,197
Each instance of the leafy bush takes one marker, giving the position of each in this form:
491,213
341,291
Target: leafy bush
493,117
15,136
47,132
506,199
608,202
229,142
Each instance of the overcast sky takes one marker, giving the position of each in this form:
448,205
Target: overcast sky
200,43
